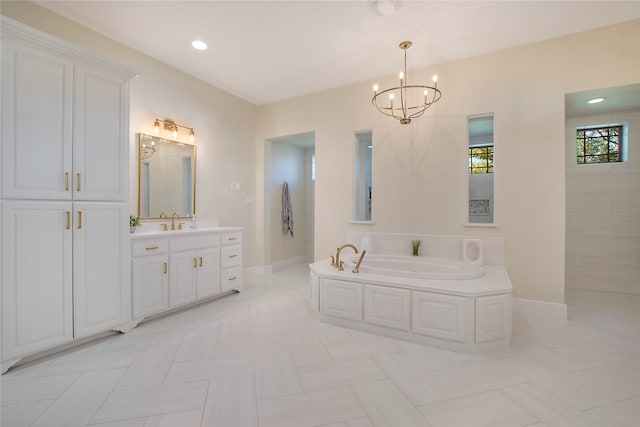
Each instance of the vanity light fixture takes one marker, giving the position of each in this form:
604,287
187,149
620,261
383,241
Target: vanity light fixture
595,100
413,104
173,128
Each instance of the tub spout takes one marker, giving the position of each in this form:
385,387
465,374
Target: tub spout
357,267
346,245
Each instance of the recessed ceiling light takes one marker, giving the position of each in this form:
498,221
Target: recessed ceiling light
595,100
199,44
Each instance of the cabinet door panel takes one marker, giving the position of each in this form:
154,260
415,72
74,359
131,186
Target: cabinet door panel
493,318
36,122
150,285
182,278
208,280
387,306
99,123
100,279
36,277
341,299
440,316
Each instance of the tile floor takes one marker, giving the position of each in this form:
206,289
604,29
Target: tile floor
260,359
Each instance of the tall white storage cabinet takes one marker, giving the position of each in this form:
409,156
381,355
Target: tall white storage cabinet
65,250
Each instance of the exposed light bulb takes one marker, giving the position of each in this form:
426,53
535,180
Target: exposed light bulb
192,135
435,78
175,131
401,75
375,88
156,126
391,96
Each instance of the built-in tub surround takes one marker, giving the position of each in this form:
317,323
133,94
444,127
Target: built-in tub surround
457,305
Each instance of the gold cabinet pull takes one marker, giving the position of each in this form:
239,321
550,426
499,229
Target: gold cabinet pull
79,183
68,220
232,278
200,261
152,248
165,268
232,256
195,262
66,179
232,238
79,220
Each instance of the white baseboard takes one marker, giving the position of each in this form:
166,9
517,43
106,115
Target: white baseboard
552,311
287,262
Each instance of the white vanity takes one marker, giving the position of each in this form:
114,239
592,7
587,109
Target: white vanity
172,269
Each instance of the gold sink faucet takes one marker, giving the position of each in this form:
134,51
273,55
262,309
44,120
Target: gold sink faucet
339,263
173,220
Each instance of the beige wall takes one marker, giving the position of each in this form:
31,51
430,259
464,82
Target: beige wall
224,124
603,212
419,170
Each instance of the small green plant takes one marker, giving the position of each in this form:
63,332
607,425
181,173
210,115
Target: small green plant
415,246
134,221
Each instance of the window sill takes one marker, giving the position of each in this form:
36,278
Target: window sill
361,222
483,225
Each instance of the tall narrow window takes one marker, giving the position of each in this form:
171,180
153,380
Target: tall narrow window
480,164
362,176
599,144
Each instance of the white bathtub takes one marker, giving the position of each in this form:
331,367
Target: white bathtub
415,267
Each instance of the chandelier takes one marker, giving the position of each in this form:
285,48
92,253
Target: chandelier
414,99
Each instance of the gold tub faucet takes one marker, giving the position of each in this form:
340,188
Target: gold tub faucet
346,245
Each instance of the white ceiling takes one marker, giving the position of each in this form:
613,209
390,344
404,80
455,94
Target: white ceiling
265,51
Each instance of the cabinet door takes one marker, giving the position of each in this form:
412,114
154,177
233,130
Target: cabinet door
100,269
36,123
150,285
183,268
441,316
387,306
341,299
208,275
36,277
100,126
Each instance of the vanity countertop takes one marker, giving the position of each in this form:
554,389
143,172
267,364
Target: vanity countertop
185,232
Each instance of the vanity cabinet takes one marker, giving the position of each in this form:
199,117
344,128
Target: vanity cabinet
64,155
180,269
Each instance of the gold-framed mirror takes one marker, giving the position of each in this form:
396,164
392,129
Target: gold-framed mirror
166,177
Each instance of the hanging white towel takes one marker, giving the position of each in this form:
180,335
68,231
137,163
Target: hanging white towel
287,212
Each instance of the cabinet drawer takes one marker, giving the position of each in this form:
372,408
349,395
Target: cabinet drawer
149,247
231,238
231,279
230,256
186,242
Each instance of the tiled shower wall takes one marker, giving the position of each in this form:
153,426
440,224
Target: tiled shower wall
603,213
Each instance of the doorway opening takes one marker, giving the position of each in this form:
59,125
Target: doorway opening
291,161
